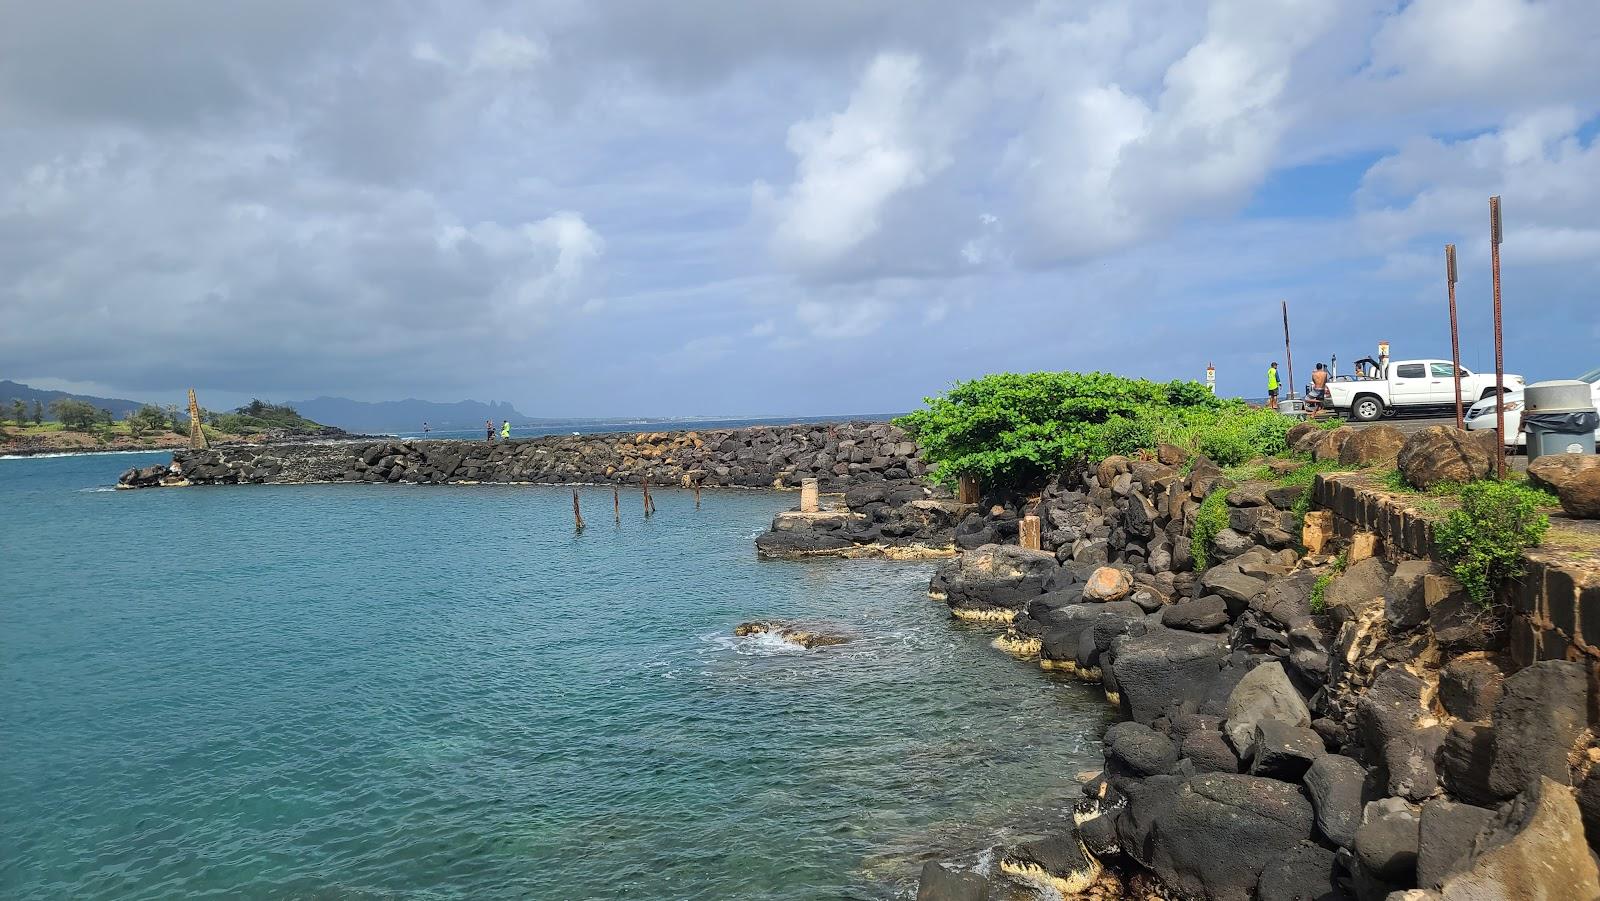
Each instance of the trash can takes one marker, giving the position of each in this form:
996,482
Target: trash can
1559,418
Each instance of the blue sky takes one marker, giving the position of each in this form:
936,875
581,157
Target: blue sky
714,207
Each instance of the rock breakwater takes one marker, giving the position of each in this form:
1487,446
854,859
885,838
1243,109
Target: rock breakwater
838,456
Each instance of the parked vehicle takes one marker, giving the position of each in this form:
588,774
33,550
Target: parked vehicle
1481,416
1410,386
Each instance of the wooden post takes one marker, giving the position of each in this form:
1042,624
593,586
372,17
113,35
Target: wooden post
1455,334
697,495
616,502
1499,346
968,492
1028,532
577,515
649,505
1288,355
809,502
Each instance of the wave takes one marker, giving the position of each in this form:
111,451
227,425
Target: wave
97,489
54,454
765,644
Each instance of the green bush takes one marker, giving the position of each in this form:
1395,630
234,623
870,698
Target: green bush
1483,541
259,416
1013,431
1211,518
76,415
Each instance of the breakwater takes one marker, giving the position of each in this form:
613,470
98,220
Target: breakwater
838,455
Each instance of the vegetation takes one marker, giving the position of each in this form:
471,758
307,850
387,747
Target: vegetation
1014,430
1319,589
260,416
148,418
75,415
38,413
1483,541
19,412
1211,518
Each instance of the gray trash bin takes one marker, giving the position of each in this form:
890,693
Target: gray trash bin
1559,417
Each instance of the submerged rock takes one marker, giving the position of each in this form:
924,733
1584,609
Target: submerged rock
802,636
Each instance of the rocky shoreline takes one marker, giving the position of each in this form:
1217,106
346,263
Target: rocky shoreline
1319,714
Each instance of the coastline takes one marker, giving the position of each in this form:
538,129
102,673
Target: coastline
1252,694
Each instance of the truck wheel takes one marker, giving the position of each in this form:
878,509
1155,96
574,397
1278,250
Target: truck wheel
1366,408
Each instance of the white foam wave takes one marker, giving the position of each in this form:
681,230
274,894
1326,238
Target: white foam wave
53,455
765,644
97,489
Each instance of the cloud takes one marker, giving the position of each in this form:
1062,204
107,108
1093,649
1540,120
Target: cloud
851,164
524,201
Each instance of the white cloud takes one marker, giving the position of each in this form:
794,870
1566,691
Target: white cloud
852,164
854,319
500,50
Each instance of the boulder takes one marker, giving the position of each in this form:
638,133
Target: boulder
791,544
1337,787
1110,468
1107,583
1265,693
1285,497
1218,832
1230,543
1445,838
1303,873
998,575
1283,751
1171,454
1575,478
1299,433
1162,667
1443,454
1331,442
1204,614
1133,749
1465,759
1533,851
1386,842
1059,862
1372,445
1389,718
1208,751
1537,721
1361,586
1404,603
1232,585
939,883
1470,686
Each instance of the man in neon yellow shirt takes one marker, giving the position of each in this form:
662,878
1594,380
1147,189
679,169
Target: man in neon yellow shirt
1272,386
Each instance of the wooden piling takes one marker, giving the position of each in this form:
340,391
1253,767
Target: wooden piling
1028,532
577,515
616,502
968,492
697,495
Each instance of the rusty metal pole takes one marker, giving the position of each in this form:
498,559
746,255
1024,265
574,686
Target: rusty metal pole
1499,347
1455,333
1288,355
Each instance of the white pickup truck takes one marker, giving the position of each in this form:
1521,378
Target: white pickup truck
1411,386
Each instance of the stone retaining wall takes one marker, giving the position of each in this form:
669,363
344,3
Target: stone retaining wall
838,455
1552,613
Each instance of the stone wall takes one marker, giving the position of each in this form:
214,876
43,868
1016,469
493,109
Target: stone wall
1552,613
838,455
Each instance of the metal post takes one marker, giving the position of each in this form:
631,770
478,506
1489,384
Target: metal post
1288,355
1455,333
1499,347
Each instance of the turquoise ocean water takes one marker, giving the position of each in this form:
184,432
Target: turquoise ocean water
442,692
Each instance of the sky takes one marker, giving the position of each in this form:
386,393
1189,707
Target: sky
719,207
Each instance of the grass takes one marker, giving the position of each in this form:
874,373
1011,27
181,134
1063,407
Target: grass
1211,518
1319,590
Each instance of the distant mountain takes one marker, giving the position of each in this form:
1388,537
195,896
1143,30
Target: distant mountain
10,391
404,415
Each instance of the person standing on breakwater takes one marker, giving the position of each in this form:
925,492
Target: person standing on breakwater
1272,386
505,430
488,430
425,429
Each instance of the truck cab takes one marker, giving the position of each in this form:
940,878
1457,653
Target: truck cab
1411,386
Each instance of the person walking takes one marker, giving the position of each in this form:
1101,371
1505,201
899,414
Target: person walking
1317,394
1272,386
488,430
505,430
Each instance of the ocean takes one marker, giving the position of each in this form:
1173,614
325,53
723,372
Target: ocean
379,691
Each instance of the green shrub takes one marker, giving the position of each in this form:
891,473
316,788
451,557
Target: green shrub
76,415
1211,518
1483,541
1013,431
